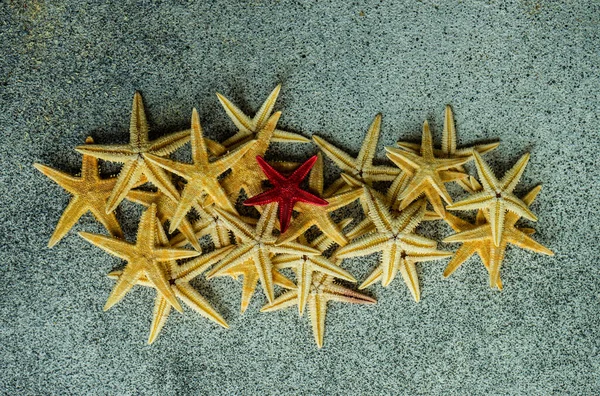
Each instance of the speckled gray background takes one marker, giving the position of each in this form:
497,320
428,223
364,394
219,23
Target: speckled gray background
524,72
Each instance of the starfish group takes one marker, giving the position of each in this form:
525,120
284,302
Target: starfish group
226,243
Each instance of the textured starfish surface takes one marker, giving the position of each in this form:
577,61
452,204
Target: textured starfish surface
257,244
248,127
286,191
133,156
497,196
478,238
143,258
202,175
89,191
427,174
179,277
401,247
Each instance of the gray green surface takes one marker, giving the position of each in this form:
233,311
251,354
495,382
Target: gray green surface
524,72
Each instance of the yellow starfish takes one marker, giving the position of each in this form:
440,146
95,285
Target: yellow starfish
497,196
90,192
257,244
143,258
133,155
202,175
319,215
248,127
401,247
479,238
179,277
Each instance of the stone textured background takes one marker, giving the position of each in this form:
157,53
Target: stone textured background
524,72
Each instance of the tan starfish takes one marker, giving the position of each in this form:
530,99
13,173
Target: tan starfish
90,192
133,155
427,173
179,276
143,258
479,238
257,244
401,247
319,215
248,127
497,196
202,175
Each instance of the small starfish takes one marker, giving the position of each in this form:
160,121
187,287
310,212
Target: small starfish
497,196
133,155
202,175
395,237
428,173
90,192
479,238
286,191
257,244
143,258
179,277
248,127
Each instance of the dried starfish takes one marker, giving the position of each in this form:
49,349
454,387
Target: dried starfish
497,196
143,258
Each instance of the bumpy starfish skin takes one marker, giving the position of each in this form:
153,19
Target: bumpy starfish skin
143,258
133,155
248,127
497,197
480,238
401,247
257,244
89,191
179,277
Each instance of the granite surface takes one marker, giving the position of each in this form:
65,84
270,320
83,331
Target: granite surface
525,72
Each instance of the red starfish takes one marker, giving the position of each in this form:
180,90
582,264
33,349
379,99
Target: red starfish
286,191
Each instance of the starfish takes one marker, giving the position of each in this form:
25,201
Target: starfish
202,175
143,258
286,191
479,238
395,237
428,173
248,127
497,196
257,244
90,192
179,276
134,156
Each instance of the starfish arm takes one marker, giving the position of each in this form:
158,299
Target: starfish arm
373,277
336,187
462,254
198,303
296,228
426,142
378,211
189,196
381,173
238,255
531,195
486,175
346,198
496,258
264,227
198,143
417,243
303,279
187,232
405,160
174,254
248,287
265,272
74,210
161,312
199,229
220,236
113,152
391,261
364,227
517,206
280,136
331,230
429,255
497,213
195,267
114,246
328,238
398,185
225,162
340,293
411,217
363,246
306,197
450,176
285,261
138,126
219,196
126,281
264,198
181,169
449,163
321,264
267,108
128,176
367,151
527,230
236,224
294,248
436,200
284,301
141,197
241,120
524,241
282,281
274,177
66,181
109,221
457,223
476,201
341,159
156,274
299,174
411,278
449,134
480,148
315,179
480,233
512,177
318,310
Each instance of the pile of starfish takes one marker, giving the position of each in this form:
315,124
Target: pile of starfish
194,227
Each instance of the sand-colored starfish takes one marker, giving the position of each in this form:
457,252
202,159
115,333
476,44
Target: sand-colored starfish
133,155
427,173
202,175
257,244
479,238
497,197
143,258
179,277
248,127
401,247
90,192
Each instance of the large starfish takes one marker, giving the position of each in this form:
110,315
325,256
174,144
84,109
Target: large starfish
479,238
286,191
133,155
202,175
248,127
257,244
401,247
143,258
179,277
427,173
497,196
90,192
